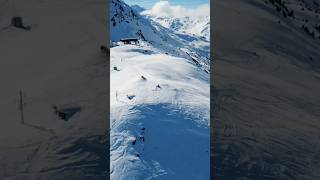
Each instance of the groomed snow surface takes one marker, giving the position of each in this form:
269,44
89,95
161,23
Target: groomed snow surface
159,116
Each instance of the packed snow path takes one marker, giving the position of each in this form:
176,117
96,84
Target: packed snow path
159,116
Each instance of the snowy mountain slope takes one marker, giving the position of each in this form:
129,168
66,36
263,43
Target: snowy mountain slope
159,107
58,62
175,116
126,23
266,120
193,21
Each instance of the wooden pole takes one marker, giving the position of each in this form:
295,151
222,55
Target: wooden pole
21,107
117,95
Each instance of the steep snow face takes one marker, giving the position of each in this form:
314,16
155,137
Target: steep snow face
160,106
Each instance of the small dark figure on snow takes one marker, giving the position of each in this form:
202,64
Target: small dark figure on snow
158,86
61,114
115,68
144,78
130,97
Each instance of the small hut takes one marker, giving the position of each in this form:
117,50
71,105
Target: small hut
134,41
17,22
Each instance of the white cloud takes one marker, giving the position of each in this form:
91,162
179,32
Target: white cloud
164,8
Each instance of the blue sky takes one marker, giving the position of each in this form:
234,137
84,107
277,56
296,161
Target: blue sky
186,3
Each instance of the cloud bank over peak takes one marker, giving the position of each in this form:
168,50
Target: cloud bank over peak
164,8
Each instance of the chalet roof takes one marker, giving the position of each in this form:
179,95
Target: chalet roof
129,39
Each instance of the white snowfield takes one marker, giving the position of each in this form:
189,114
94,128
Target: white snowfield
165,100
